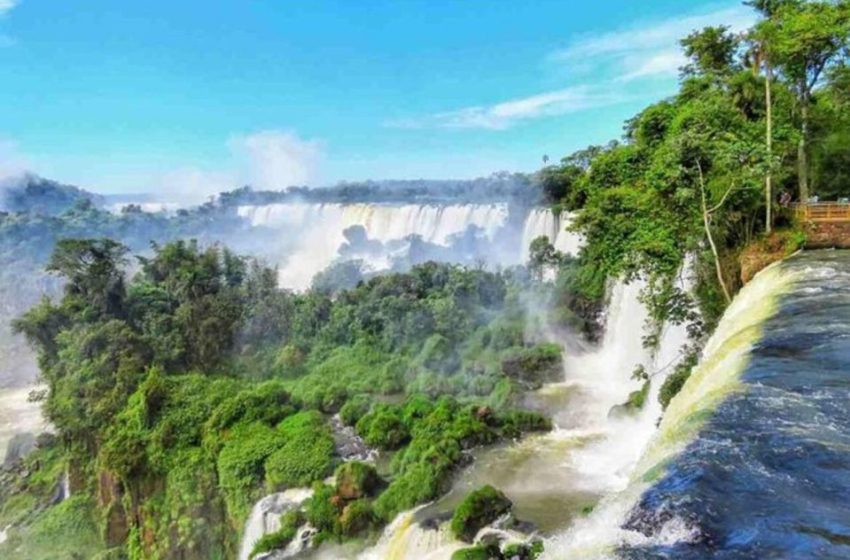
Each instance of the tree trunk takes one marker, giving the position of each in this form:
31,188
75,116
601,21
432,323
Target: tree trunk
802,152
706,220
768,186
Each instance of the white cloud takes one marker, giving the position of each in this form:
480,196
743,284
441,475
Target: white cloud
7,5
276,159
268,159
661,63
189,185
507,113
650,49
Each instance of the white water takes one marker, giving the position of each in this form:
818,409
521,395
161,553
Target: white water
319,228
18,416
313,233
724,358
265,517
543,222
403,538
591,452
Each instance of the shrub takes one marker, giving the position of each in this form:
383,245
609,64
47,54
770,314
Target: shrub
383,427
240,463
418,484
480,508
354,409
534,366
305,455
480,552
323,511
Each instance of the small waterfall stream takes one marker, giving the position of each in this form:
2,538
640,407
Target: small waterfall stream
18,417
265,517
551,478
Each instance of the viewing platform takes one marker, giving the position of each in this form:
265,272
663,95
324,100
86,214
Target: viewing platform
827,224
822,211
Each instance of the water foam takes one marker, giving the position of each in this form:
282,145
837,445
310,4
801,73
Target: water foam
724,358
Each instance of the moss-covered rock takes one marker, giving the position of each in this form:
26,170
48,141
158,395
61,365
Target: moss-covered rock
383,427
356,480
523,551
480,508
356,518
532,367
488,552
354,409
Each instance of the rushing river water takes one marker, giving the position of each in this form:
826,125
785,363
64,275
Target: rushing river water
768,474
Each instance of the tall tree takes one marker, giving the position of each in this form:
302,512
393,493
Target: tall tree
711,52
804,39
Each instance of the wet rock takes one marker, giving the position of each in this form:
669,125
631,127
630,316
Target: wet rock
356,480
479,509
349,445
19,447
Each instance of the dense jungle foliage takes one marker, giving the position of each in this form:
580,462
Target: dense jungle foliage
761,119
182,396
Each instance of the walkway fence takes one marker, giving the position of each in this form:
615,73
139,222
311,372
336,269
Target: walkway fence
823,211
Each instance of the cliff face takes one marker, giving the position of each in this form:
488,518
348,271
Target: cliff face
777,246
828,235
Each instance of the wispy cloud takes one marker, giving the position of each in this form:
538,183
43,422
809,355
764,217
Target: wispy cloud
649,49
603,63
508,113
7,5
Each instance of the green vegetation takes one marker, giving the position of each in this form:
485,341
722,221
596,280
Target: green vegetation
290,522
512,551
480,508
703,172
181,396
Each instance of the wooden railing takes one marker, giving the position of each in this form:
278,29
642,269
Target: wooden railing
823,211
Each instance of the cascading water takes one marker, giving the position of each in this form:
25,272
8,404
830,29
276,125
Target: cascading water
265,517
312,234
551,478
753,457
18,416
543,222
319,228
726,354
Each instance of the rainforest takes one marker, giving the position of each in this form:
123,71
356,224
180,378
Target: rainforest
636,351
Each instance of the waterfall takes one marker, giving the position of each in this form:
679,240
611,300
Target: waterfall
724,357
18,416
591,452
543,222
405,538
265,517
317,229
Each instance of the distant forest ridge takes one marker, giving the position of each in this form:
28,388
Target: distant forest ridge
33,194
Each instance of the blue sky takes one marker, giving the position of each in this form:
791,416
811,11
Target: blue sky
194,97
